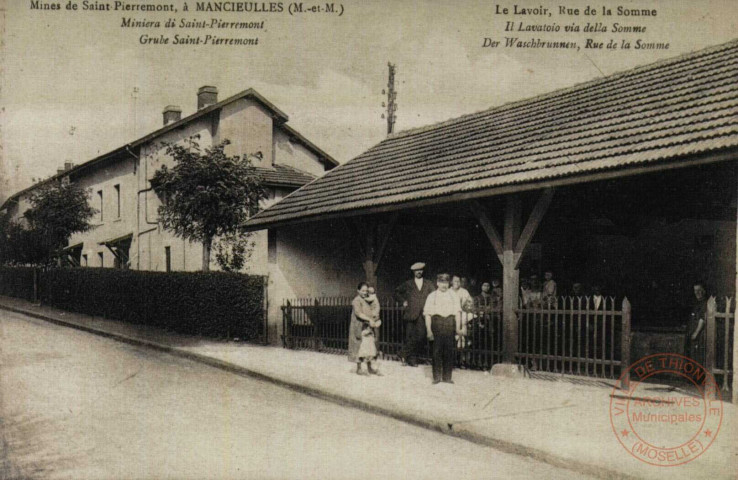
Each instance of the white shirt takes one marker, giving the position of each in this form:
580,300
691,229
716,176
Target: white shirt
419,283
597,301
463,295
442,303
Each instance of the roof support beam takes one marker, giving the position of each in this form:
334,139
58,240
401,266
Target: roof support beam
385,237
372,242
354,232
531,226
480,213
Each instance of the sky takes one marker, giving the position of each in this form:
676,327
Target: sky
68,77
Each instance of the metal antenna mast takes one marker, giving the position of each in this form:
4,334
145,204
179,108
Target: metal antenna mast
134,96
391,97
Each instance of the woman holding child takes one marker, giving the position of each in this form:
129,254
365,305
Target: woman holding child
363,329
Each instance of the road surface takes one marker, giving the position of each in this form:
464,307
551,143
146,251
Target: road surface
75,405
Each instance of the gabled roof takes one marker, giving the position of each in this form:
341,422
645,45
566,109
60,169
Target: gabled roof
616,125
284,176
279,117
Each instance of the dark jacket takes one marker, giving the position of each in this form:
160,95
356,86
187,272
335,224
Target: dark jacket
408,292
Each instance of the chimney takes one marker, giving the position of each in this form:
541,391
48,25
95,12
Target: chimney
172,113
206,96
67,166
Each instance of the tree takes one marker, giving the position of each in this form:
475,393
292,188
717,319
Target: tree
206,194
233,250
58,210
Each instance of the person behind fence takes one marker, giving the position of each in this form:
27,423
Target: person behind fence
467,306
442,313
361,317
412,295
696,325
484,302
598,300
535,293
549,290
525,293
483,305
496,292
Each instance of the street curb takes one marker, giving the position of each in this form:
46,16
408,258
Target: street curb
433,425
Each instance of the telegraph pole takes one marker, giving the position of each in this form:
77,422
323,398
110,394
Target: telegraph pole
391,97
134,96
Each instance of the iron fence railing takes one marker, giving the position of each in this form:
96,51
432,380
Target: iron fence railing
569,335
575,335
322,324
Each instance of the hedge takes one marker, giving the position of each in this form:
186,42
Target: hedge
17,282
213,304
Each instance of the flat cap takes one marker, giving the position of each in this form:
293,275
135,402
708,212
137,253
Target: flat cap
417,266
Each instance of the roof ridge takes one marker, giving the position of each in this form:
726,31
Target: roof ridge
294,169
577,86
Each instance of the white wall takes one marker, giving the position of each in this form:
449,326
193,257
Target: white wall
294,154
108,224
316,259
149,252
249,128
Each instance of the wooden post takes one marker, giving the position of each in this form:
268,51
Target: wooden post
510,279
265,309
315,320
625,347
286,315
370,266
35,285
734,380
710,335
510,249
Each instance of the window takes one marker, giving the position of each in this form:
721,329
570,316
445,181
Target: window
101,258
84,260
117,201
168,258
100,204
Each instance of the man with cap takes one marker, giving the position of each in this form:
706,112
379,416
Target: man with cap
412,294
442,312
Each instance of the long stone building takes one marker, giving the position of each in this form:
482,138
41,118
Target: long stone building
126,232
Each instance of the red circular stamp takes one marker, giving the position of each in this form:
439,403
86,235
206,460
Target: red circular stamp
666,426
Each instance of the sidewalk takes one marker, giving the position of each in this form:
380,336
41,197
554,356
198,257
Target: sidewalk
561,421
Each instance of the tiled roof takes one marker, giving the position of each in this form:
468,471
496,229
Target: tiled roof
282,175
660,112
280,119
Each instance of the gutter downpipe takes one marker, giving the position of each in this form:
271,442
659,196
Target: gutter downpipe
145,170
136,169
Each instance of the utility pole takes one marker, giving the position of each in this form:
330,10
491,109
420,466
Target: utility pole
391,97
134,96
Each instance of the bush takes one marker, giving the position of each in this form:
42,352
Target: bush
17,282
213,304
